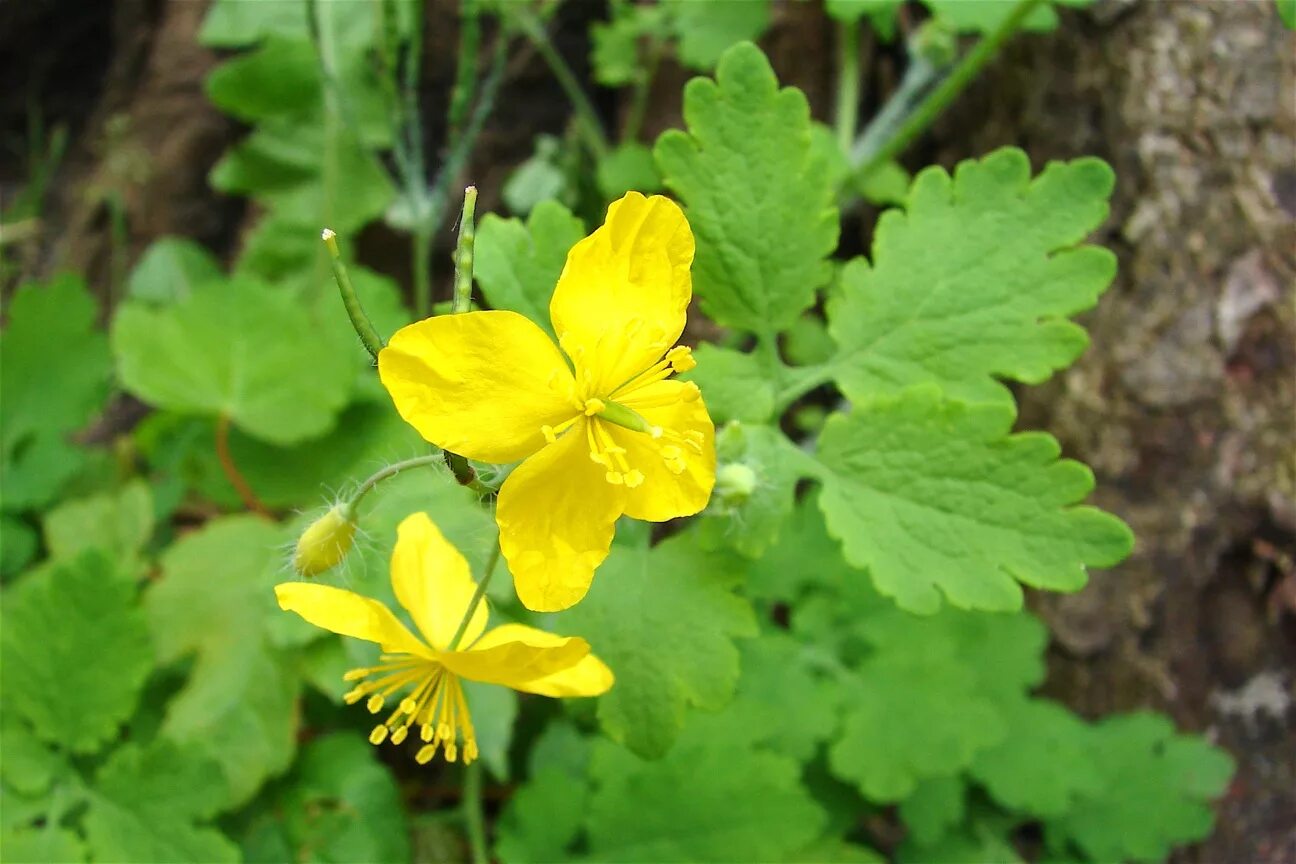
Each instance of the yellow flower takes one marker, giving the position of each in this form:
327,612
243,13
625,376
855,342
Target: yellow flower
432,582
608,435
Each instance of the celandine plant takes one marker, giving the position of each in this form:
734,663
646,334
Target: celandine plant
788,564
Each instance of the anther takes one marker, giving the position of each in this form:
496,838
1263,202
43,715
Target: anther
354,696
378,735
408,706
374,704
356,675
399,733
425,754
681,358
634,478
691,392
594,406
426,732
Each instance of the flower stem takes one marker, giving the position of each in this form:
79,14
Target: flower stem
235,477
848,82
945,92
390,471
463,258
477,595
587,118
422,250
364,328
474,821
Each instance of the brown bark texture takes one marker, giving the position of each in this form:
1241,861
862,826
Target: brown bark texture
1185,405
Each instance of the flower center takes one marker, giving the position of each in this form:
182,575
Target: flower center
434,701
670,445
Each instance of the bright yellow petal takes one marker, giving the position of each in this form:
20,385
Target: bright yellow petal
557,514
665,494
514,654
349,614
621,298
589,677
433,582
481,384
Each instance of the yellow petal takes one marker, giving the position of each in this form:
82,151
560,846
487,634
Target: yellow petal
621,298
350,615
557,514
514,654
433,582
664,494
481,384
589,677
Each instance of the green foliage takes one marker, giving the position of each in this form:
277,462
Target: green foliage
664,620
214,603
763,222
50,337
145,802
934,497
236,350
995,302
705,30
777,697
75,650
518,264
1155,786
339,804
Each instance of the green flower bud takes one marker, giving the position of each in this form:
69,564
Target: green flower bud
735,483
935,42
325,543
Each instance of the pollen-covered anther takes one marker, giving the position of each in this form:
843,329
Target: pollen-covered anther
375,703
398,734
633,478
681,358
691,392
354,696
378,735
426,732
408,706
425,754
593,407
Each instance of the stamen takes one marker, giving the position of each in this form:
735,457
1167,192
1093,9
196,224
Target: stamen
594,406
374,704
378,735
425,754
398,734
551,433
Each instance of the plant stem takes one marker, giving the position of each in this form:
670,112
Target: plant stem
642,89
465,67
945,93
421,265
235,477
477,595
472,813
463,257
587,118
390,471
364,328
848,82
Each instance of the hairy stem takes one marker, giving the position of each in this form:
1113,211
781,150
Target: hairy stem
364,328
390,471
954,84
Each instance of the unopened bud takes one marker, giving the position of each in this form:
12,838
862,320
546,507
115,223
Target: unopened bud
325,543
735,483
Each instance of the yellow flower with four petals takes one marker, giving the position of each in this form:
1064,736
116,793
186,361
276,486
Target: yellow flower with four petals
433,583
607,435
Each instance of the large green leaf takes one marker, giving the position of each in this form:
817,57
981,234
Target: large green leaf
74,650
242,350
214,603
664,619
935,497
517,265
975,280
145,803
757,194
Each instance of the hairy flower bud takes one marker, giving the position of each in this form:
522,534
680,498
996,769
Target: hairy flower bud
325,542
735,483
